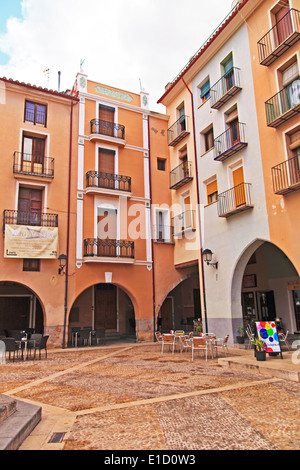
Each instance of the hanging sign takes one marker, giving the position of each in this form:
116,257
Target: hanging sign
30,242
267,332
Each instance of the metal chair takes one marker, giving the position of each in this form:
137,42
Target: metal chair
100,335
283,339
41,345
199,344
84,336
221,343
158,336
167,340
11,347
185,343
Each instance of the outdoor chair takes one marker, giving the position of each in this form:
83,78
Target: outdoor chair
100,335
250,338
11,347
167,340
33,342
221,343
199,344
40,346
16,334
158,336
185,343
84,336
2,352
283,339
75,334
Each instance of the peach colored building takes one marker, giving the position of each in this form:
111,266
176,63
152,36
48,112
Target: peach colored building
38,143
124,240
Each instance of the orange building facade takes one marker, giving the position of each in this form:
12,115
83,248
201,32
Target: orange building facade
39,131
124,239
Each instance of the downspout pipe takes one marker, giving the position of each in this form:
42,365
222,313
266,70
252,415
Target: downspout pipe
152,243
68,228
198,203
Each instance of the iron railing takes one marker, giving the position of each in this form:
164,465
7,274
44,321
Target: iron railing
226,87
284,105
27,164
183,222
108,181
230,142
35,116
286,176
281,37
38,219
234,200
181,175
178,130
108,248
110,129
163,233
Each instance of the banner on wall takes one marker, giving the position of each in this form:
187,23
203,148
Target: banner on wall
267,332
22,241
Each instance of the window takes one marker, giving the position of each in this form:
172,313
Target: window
212,192
31,264
33,153
233,124
209,139
161,164
228,72
35,113
182,120
205,91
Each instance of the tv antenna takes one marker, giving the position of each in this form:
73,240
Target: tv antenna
81,64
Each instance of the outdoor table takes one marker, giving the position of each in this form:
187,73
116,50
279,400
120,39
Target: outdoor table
25,341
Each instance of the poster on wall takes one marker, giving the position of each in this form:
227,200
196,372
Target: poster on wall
30,242
267,332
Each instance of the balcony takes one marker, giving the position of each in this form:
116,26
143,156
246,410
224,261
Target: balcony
286,176
181,175
108,181
37,219
230,142
183,223
225,88
27,164
108,248
163,234
235,200
178,131
110,131
284,105
280,38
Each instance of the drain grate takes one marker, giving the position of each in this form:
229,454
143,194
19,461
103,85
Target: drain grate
56,437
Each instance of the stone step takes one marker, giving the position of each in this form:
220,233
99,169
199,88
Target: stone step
18,425
7,407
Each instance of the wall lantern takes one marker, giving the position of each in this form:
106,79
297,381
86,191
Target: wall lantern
207,257
62,259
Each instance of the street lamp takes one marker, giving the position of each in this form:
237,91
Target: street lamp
207,257
62,259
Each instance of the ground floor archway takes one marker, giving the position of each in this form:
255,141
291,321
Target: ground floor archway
20,309
181,306
103,305
268,285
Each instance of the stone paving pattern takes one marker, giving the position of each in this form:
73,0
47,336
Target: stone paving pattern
135,398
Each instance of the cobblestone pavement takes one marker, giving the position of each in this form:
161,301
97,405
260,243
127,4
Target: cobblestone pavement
134,398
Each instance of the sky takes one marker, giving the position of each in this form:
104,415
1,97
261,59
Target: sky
127,44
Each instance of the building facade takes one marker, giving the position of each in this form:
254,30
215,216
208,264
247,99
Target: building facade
246,222
38,135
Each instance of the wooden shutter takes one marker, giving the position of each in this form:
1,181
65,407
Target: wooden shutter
239,187
283,24
106,163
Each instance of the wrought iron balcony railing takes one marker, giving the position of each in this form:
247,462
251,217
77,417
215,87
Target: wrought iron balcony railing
280,38
225,88
95,247
37,219
178,131
181,175
234,200
108,181
183,222
27,164
286,176
109,129
284,105
163,234
230,142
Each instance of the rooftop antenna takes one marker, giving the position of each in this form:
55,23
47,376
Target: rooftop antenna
141,88
47,73
59,76
81,64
